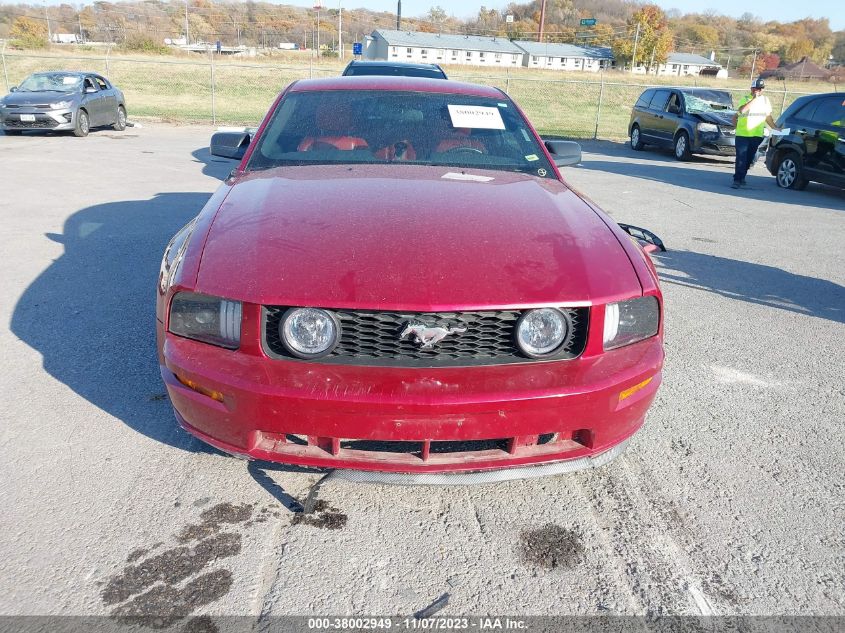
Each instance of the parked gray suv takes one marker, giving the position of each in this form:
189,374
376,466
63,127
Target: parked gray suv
61,100
687,120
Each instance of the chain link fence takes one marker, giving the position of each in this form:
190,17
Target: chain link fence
219,91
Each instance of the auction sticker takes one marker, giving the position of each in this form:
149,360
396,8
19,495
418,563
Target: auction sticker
479,117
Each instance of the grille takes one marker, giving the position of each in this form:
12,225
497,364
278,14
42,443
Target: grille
373,338
41,121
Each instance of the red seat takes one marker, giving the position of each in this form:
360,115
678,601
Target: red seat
345,143
459,137
334,121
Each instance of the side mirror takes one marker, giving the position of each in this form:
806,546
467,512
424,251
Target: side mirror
13,89
89,90
564,152
229,144
674,109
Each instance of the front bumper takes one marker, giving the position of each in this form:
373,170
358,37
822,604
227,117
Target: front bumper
409,420
715,144
14,119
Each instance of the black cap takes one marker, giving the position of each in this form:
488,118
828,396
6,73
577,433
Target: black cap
758,83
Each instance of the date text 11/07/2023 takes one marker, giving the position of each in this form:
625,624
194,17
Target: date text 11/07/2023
486,623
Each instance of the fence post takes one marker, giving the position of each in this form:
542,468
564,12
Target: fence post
5,73
598,107
108,52
783,103
508,81
213,108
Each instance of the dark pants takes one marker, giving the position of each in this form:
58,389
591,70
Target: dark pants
746,148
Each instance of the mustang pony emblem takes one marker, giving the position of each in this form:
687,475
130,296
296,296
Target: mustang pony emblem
426,336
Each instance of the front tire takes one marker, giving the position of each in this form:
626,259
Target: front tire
120,121
790,172
83,124
682,150
636,139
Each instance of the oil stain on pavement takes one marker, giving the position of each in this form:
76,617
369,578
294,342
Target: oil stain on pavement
149,591
551,547
324,516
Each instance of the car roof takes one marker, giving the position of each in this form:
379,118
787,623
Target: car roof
410,84
371,62
76,73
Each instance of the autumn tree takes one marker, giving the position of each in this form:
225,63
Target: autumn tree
654,42
29,33
602,35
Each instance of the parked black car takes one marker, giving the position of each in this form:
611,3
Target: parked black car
60,100
814,149
689,120
403,69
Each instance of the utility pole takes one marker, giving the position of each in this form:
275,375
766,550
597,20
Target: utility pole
753,64
636,41
542,21
317,8
339,30
399,15
187,37
79,21
47,16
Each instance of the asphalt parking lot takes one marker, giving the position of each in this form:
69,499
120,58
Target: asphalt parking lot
731,500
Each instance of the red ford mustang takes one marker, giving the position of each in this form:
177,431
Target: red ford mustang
396,282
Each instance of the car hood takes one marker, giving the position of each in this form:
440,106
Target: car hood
718,118
37,98
410,237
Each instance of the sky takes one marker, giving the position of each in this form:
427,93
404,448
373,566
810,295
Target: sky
781,11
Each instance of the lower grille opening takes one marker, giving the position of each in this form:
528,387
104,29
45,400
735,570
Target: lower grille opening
467,446
584,437
546,438
382,446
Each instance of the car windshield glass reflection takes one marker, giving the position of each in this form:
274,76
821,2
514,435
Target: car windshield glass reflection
363,126
50,82
708,102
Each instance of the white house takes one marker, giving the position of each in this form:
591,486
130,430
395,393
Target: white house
680,64
441,48
565,56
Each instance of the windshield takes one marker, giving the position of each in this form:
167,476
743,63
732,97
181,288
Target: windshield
379,126
708,101
53,82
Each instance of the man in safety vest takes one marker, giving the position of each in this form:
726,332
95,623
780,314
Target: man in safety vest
754,113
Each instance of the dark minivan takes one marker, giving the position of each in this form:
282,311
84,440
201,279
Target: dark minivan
814,149
688,120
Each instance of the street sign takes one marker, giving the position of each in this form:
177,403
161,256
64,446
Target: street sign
588,22
509,19
357,48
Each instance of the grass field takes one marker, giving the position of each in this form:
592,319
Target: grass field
239,91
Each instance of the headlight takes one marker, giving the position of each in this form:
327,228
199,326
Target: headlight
707,127
309,332
208,319
61,105
630,321
173,255
542,331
